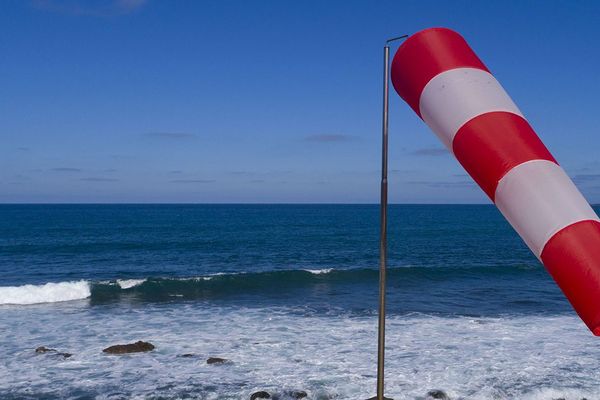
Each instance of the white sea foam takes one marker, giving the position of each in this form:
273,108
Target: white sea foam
47,293
129,283
515,357
319,271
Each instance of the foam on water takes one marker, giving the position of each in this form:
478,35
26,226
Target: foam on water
319,271
47,293
278,349
213,275
129,283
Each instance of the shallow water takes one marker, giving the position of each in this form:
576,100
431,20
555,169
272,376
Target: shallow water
533,357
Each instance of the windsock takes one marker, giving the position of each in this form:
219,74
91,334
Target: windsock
446,84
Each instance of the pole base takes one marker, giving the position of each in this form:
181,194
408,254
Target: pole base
375,398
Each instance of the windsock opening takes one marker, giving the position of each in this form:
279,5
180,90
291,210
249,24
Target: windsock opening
425,54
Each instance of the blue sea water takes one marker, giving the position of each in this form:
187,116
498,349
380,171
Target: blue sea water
288,293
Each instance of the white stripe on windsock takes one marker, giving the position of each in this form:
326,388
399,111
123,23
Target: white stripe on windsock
454,97
538,199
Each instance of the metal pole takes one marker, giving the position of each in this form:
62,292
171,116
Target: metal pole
383,225
383,221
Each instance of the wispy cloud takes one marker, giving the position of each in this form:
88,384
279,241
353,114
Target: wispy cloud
192,181
169,135
99,179
240,173
65,169
23,148
400,171
327,138
103,8
430,152
586,178
21,177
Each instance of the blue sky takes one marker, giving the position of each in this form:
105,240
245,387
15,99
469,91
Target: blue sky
267,101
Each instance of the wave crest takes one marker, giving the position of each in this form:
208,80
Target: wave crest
129,283
46,293
272,284
319,271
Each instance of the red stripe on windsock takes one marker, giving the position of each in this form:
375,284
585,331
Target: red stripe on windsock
447,85
491,144
426,54
572,257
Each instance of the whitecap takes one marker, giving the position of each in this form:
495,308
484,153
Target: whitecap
47,293
129,283
319,271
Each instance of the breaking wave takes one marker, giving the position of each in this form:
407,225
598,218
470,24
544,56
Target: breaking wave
47,293
267,283
129,283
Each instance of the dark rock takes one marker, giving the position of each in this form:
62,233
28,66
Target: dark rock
136,347
438,394
296,394
43,349
216,360
260,395
54,352
188,355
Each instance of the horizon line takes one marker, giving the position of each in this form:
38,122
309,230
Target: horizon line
232,203
246,203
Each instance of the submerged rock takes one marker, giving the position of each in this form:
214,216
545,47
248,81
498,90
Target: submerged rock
287,394
44,350
188,355
136,347
438,394
260,395
296,394
216,360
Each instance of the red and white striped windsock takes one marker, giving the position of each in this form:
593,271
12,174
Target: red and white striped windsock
440,77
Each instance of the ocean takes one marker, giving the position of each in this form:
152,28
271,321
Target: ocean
287,294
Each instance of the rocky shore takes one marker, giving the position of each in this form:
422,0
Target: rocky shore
143,347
